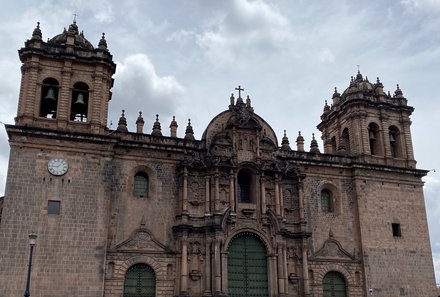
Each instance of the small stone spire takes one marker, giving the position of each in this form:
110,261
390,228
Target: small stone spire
326,108
140,123
156,127
189,133
300,142
122,123
398,92
36,35
378,87
285,143
173,127
102,45
314,145
336,97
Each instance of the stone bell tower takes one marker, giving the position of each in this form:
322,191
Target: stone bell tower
368,123
65,83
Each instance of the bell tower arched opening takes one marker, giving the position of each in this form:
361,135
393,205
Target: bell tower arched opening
49,98
80,102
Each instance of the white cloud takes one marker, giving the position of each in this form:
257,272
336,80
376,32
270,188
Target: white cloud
245,27
430,6
140,88
436,259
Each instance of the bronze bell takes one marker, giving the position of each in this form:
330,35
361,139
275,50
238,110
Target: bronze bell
392,137
371,135
50,96
79,102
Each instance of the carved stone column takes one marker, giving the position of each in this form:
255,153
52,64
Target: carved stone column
301,200
286,278
185,191
217,267
231,191
208,291
263,193
184,269
280,270
281,199
207,198
305,268
277,197
217,191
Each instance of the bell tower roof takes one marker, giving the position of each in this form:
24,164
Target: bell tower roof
77,37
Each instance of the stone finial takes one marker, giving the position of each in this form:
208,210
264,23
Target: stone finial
300,142
189,133
140,123
398,92
314,145
378,87
122,123
285,143
102,43
173,127
36,35
326,109
157,131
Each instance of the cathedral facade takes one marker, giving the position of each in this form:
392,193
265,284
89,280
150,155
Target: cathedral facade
136,214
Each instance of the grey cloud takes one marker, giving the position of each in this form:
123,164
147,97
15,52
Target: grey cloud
138,87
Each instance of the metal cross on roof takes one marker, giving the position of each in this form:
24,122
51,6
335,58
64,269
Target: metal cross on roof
239,89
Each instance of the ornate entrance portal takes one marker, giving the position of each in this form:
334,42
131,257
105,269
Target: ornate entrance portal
247,267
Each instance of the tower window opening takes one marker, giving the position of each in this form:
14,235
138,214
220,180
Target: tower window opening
327,204
80,102
245,186
396,230
374,139
49,98
345,140
140,187
394,137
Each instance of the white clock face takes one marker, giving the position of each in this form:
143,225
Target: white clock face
57,166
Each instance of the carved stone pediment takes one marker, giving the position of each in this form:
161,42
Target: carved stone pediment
141,240
332,249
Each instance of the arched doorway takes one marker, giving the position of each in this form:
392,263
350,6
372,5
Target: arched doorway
140,281
333,285
247,267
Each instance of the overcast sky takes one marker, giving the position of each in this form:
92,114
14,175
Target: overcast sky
185,58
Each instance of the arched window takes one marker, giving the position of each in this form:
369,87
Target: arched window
374,139
395,145
345,139
80,102
247,267
333,285
327,204
49,98
140,186
245,191
140,281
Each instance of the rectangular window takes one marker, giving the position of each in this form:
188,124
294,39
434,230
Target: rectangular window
396,229
53,207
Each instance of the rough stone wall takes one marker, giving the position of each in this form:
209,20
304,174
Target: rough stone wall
394,265
70,249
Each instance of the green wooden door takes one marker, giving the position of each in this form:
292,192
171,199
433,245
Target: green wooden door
140,281
334,285
247,268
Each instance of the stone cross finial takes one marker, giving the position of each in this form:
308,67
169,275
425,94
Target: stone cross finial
239,89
